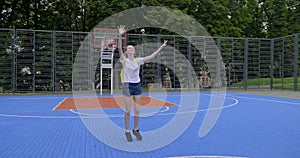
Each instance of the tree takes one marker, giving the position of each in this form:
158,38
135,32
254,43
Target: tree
10,13
96,11
255,27
276,14
293,16
67,15
213,15
240,17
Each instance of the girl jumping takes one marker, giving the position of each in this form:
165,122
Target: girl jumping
131,82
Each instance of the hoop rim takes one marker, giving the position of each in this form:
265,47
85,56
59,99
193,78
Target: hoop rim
112,37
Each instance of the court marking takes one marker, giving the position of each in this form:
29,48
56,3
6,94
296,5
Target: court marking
215,156
269,100
106,102
39,116
29,98
120,115
59,104
114,115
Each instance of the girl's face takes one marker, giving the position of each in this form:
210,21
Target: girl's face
130,50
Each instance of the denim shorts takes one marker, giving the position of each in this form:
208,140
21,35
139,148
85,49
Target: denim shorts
130,89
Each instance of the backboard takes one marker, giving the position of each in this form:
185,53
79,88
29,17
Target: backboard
107,37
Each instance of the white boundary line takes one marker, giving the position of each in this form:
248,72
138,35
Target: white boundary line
59,103
206,157
114,115
30,98
269,100
36,116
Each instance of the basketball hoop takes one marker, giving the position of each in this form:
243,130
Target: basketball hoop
106,38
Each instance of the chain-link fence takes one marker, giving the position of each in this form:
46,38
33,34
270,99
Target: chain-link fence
42,61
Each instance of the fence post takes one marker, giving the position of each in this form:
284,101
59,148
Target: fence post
272,64
53,61
158,64
219,64
245,76
14,64
190,62
296,52
34,63
90,65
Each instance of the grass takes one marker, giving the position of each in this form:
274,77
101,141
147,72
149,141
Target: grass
278,83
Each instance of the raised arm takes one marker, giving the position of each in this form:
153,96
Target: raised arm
154,54
122,30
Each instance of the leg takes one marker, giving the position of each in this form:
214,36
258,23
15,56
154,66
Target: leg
137,107
127,100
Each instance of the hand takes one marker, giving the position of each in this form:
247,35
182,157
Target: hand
121,29
165,43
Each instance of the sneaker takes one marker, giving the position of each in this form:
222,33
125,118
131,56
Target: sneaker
128,136
137,134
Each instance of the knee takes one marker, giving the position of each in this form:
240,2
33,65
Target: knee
137,113
127,113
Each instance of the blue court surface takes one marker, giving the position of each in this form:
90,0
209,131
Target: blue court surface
246,125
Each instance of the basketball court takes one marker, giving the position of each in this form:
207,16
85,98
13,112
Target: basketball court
250,125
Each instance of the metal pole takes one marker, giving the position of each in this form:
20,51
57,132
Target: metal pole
229,75
174,60
282,63
14,64
158,71
53,71
90,66
272,64
190,61
245,64
296,52
33,63
218,75
101,82
72,52
142,69
112,72
259,63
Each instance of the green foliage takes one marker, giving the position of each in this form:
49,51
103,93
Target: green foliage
280,15
294,16
278,83
234,18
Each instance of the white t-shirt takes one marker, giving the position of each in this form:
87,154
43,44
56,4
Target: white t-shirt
132,69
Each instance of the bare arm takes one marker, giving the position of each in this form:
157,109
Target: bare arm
122,30
154,54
